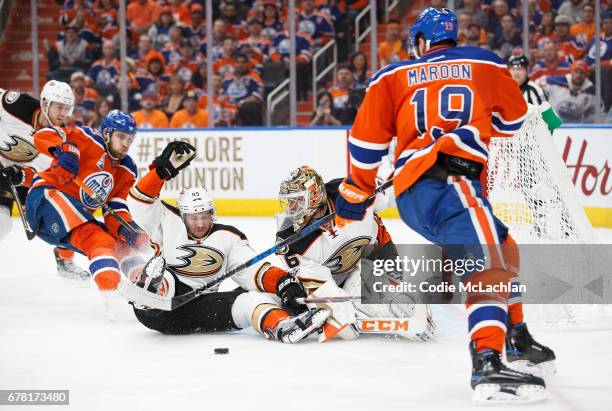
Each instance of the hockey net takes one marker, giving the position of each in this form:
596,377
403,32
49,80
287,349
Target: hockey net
531,191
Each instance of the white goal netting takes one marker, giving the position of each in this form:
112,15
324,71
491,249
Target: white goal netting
531,191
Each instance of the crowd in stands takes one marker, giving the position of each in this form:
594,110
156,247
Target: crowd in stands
167,50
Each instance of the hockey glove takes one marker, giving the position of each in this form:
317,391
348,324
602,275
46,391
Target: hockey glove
176,156
67,156
14,175
136,238
351,203
288,289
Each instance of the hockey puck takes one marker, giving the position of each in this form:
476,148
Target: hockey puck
221,350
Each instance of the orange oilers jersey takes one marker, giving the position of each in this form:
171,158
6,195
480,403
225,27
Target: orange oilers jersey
452,100
111,181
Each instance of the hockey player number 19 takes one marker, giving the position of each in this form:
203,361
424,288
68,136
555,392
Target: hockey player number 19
462,115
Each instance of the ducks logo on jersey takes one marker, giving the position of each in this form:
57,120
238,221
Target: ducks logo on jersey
347,256
201,261
18,150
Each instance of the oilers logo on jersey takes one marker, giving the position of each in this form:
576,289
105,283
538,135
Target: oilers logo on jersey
17,149
201,261
102,184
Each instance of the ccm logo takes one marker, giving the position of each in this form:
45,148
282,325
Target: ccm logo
383,325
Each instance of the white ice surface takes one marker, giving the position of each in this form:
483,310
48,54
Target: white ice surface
53,336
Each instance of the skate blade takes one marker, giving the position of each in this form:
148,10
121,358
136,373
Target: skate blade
543,369
75,280
492,394
317,321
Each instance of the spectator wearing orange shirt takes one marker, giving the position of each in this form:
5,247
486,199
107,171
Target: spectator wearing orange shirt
180,12
141,13
392,49
186,65
584,30
148,116
226,64
567,45
256,46
191,116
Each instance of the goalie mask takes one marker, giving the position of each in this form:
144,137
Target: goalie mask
302,195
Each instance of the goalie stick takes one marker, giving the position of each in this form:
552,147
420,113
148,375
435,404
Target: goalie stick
193,294
30,234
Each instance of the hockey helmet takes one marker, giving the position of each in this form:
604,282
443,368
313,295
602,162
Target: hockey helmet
116,120
518,60
435,25
196,200
302,195
56,92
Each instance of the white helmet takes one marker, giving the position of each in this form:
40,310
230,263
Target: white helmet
56,92
195,200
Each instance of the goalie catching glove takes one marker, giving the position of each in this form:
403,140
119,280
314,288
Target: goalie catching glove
176,156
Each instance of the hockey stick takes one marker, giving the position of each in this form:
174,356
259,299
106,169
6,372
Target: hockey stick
105,207
30,234
193,294
316,300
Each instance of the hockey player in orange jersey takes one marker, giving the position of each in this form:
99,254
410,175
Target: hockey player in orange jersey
20,116
444,107
61,213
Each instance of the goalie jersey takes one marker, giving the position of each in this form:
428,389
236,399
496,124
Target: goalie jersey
339,250
196,262
18,116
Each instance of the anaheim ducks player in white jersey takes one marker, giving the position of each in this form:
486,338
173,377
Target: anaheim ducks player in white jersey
197,250
329,261
20,116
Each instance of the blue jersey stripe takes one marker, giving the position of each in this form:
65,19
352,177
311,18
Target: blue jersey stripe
367,155
487,313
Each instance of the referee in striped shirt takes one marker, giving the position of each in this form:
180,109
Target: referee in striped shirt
518,64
